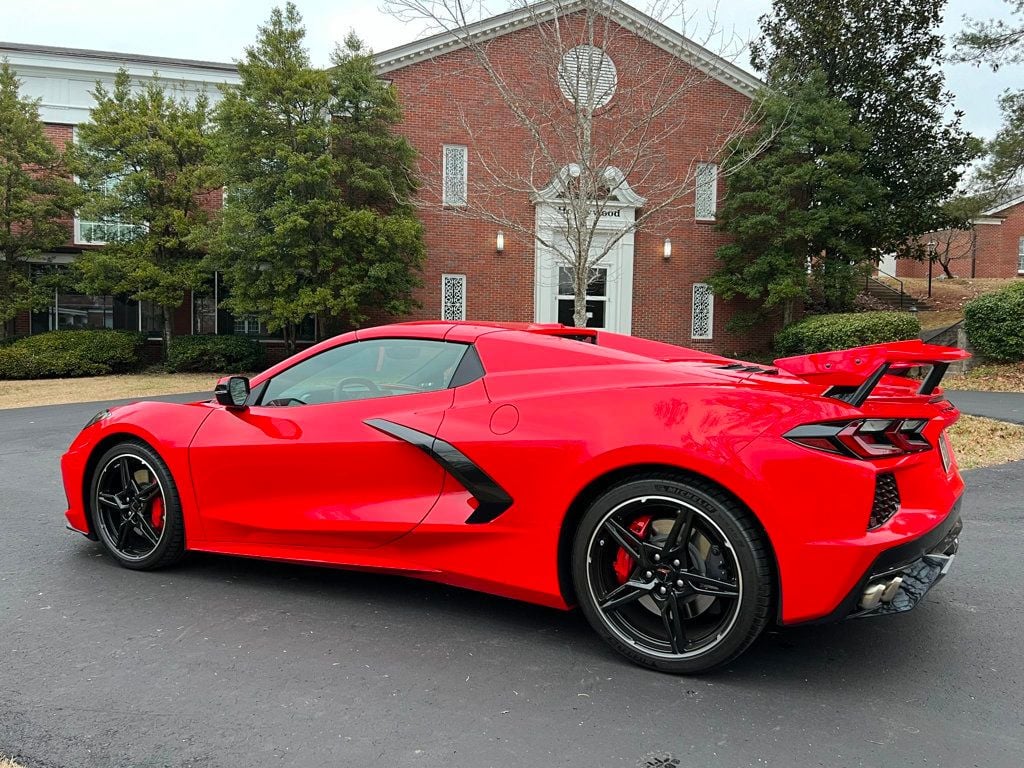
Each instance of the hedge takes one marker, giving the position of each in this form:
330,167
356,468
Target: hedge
214,353
66,354
995,324
823,333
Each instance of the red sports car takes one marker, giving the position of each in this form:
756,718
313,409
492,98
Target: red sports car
681,499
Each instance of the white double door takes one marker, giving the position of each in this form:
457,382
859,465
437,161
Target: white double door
609,289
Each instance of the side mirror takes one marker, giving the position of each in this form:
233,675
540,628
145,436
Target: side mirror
232,391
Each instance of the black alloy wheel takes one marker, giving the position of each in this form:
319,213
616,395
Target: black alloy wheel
672,573
136,512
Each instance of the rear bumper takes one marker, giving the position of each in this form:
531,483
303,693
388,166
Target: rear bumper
901,576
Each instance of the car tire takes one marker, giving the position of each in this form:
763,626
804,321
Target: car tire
141,532
700,589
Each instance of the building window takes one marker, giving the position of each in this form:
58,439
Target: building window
703,312
453,297
597,297
109,230
151,319
77,311
455,174
1020,256
247,325
706,192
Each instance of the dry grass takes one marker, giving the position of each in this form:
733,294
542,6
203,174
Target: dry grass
953,294
6,763
989,378
948,296
19,394
980,442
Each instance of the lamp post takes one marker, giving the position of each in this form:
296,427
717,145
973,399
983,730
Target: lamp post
931,262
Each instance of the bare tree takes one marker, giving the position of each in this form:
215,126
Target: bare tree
610,95
951,245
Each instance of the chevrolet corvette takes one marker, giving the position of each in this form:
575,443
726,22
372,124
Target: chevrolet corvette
681,499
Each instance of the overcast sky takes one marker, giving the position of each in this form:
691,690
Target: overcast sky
218,30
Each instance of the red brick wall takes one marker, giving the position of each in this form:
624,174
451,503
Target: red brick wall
451,100
995,250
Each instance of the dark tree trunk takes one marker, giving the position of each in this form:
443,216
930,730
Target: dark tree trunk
168,330
289,337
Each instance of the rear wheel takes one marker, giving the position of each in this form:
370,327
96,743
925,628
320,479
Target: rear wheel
672,573
135,508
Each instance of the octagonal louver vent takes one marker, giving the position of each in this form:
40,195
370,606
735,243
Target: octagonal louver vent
587,76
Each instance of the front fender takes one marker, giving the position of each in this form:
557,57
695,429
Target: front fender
167,427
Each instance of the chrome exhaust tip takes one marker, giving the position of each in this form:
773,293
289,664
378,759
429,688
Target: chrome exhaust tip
891,589
880,592
872,597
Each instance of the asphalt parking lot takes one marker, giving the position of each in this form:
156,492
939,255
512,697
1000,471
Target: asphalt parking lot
226,662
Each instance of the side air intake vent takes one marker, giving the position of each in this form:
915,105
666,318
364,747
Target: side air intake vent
887,500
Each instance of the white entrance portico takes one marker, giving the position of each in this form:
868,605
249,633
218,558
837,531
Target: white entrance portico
610,293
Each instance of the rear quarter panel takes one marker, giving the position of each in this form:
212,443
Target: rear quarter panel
569,434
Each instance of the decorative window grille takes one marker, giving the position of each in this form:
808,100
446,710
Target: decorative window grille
1020,256
703,312
455,173
587,76
706,195
453,297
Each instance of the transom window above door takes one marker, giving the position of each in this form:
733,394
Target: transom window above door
597,297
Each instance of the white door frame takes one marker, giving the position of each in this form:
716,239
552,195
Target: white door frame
617,214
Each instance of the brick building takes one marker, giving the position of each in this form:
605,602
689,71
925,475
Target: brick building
992,247
63,79
455,119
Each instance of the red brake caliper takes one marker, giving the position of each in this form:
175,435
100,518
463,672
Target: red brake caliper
624,562
157,512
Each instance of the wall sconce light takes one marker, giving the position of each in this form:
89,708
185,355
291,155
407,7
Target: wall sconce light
668,249
499,242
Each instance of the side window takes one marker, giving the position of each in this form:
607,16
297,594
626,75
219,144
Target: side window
366,369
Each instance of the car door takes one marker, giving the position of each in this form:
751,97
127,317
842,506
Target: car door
301,467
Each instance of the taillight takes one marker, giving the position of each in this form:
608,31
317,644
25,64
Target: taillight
863,438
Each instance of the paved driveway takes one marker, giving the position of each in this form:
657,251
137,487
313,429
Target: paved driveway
224,662
1006,406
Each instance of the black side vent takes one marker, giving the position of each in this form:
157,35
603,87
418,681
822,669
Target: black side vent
887,500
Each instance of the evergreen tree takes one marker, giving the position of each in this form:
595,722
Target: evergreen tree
319,220
37,197
144,160
881,59
798,207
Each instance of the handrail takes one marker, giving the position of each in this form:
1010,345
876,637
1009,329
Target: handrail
868,278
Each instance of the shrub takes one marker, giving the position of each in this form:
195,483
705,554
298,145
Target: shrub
61,354
214,353
823,333
995,324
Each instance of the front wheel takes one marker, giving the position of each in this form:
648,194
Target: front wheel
672,573
136,511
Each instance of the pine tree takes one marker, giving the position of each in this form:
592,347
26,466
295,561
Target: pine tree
319,220
37,197
881,59
144,160
798,207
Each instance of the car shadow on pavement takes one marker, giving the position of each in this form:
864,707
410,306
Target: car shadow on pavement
827,652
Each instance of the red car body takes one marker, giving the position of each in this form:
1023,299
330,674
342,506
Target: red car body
556,415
